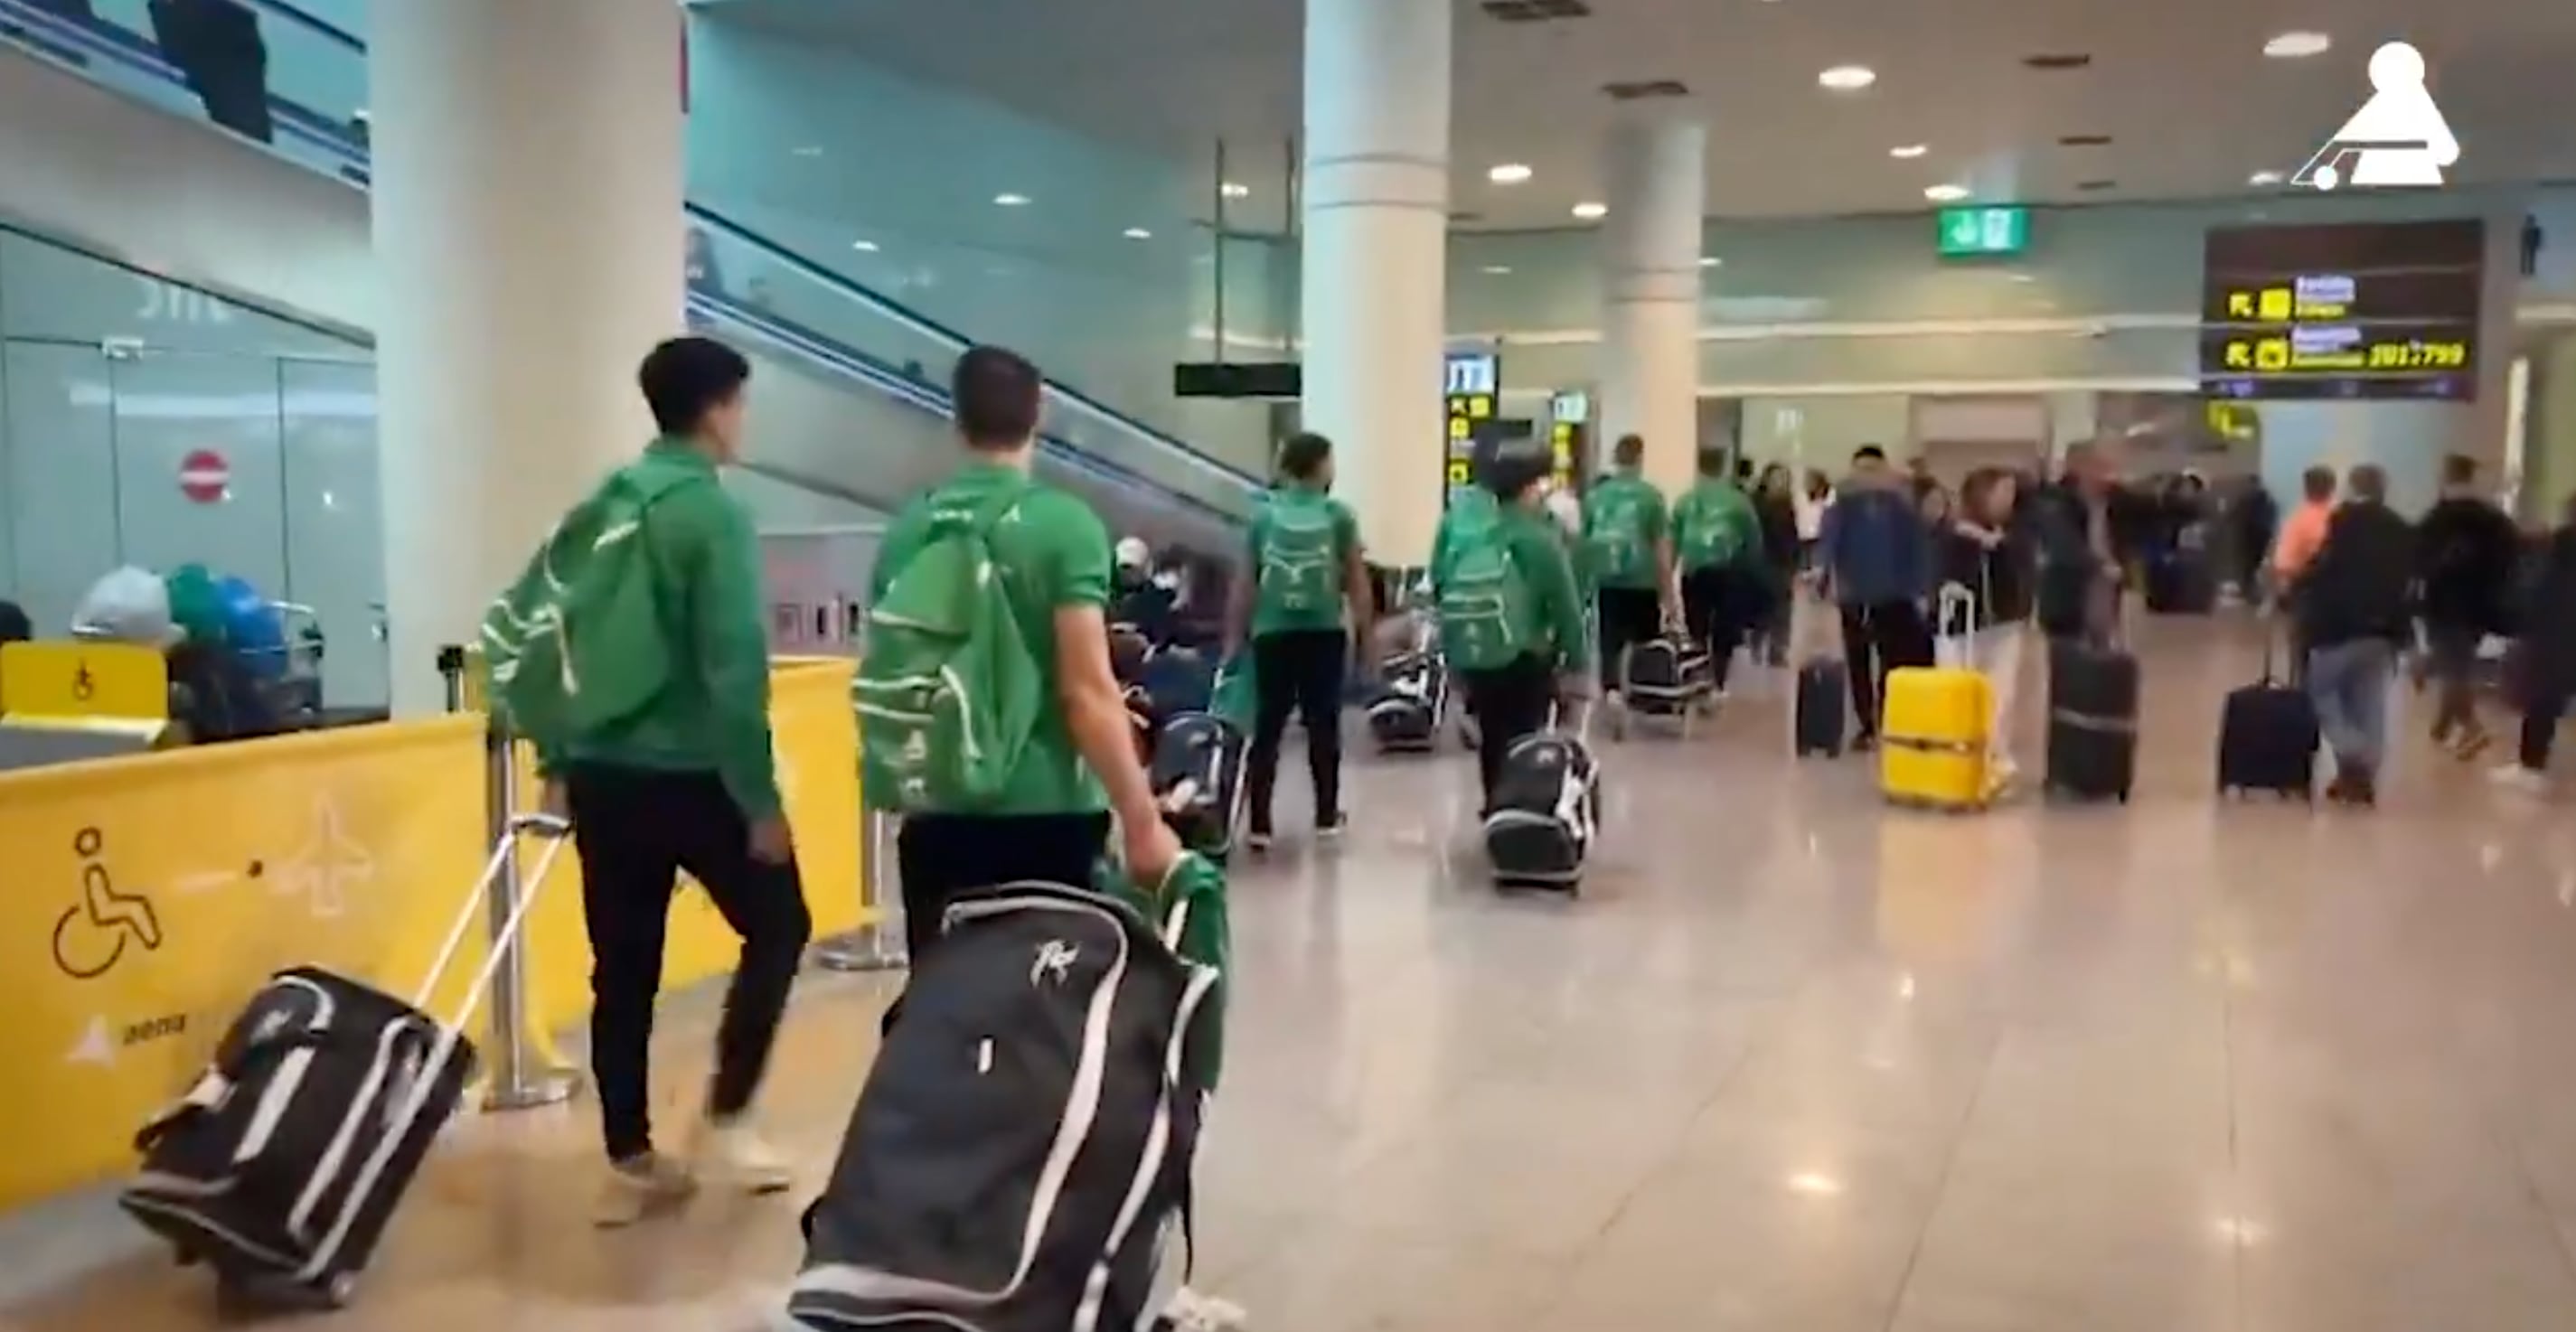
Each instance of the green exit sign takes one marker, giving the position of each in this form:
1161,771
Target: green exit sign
1994,229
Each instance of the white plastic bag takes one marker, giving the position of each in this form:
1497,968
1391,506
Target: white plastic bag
130,605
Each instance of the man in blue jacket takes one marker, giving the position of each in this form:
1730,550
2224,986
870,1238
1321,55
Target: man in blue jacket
1877,558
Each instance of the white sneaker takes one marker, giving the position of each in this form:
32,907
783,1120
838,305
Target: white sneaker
634,1190
2515,777
729,1153
1190,1311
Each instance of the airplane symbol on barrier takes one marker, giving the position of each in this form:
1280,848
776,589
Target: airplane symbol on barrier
326,867
101,912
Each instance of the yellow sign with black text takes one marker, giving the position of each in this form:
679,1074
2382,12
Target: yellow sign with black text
76,678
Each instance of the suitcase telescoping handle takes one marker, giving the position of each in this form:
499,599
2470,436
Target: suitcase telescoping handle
554,830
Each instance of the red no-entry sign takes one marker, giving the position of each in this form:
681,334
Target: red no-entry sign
204,476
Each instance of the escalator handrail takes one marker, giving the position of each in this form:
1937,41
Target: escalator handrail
830,277
829,351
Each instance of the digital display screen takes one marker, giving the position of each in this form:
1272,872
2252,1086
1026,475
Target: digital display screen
2374,310
1472,384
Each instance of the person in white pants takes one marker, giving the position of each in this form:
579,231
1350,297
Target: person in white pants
1981,553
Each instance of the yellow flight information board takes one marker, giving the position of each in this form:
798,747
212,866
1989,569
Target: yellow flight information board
2341,311
1569,419
1470,391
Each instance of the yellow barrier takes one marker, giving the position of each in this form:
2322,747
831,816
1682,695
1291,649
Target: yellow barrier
817,739
149,896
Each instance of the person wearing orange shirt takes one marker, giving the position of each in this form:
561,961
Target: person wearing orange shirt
2303,534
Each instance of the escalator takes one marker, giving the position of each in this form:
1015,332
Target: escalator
853,402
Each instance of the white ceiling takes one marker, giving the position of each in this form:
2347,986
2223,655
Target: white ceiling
2182,86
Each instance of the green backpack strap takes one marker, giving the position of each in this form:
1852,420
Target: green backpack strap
948,691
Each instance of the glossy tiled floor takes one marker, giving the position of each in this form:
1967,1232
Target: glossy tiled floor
1794,1063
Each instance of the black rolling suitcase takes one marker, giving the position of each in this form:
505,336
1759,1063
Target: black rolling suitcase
1547,812
1823,690
2267,738
1197,772
1406,714
1668,677
2092,722
281,1166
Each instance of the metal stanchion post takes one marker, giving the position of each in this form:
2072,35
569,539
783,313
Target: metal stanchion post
516,1081
877,945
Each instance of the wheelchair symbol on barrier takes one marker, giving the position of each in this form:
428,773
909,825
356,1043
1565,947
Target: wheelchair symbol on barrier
102,913
84,686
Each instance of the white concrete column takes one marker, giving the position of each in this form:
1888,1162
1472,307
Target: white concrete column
1376,224
1650,286
528,251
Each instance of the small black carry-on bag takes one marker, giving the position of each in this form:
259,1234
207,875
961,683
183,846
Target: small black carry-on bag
1667,678
1197,771
1020,1157
281,1166
2267,738
1406,715
2092,722
1547,812
1823,701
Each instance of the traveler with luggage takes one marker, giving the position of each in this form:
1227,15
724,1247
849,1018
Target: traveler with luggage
1981,553
1775,503
2352,605
1511,617
1876,558
662,757
2468,555
991,719
2542,677
1307,603
2077,596
1627,541
1718,550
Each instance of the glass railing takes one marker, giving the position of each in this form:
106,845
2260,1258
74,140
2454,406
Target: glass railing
316,116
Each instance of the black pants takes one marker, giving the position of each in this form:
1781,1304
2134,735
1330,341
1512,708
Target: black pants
1629,616
2540,727
635,830
2452,652
1508,702
1878,639
1720,605
1300,671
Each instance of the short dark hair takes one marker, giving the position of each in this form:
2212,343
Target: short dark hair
1712,462
1304,455
1510,472
1869,453
997,394
685,378
2317,483
1629,451
2459,469
2369,482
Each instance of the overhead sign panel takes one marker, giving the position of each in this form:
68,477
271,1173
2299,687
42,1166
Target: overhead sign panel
2367,310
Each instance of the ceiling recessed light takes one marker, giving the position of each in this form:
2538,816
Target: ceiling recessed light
2058,60
1945,193
809,150
2260,179
2095,186
1497,270
1590,211
1011,200
2083,140
1509,173
1232,190
1908,150
2297,45
864,246
1138,233
1847,78
1710,261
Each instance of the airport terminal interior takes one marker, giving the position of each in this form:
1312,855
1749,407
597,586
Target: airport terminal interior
316,316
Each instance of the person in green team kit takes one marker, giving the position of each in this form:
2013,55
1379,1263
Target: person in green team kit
1307,602
1511,617
1717,546
1627,543
1048,750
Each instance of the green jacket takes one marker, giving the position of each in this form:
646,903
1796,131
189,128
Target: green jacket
1624,520
712,714
1543,554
